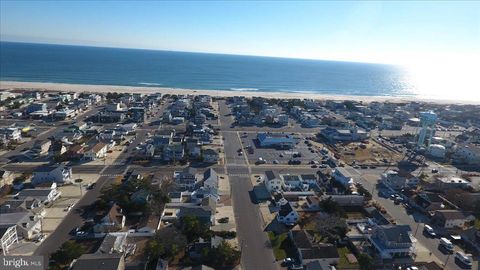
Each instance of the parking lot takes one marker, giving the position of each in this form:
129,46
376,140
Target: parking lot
302,152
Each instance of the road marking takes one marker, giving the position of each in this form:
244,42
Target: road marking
240,174
111,175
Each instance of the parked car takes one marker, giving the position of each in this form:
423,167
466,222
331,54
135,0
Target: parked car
463,258
429,230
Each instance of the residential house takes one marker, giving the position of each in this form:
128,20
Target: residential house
113,221
210,178
112,261
75,152
27,224
11,133
394,181
205,192
8,237
173,152
346,200
6,177
33,205
210,155
451,182
97,151
352,134
312,203
468,154
428,202
59,174
149,224
309,252
43,195
186,179
287,215
449,219
343,177
57,148
35,106
40,148
113,243
273,182
392,241
204,212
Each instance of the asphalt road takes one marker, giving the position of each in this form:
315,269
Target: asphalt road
256,253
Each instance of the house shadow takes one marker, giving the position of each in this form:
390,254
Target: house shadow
276,227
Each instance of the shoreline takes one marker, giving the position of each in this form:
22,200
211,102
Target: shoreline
42,86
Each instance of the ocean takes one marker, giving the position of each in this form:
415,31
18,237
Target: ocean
133,67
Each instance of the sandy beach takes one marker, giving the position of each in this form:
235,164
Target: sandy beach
40,86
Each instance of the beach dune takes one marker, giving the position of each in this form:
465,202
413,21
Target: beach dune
42,86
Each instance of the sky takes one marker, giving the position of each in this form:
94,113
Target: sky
385,32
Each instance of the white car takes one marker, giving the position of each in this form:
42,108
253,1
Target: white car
464,258
427,228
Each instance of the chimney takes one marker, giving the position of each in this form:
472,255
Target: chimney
24,225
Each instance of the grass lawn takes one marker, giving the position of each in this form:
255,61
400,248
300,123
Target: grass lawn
343,261
276,241
477,223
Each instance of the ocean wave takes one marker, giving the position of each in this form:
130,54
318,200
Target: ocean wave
244,89
149,83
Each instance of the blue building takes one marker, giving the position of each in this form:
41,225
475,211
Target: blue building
281,141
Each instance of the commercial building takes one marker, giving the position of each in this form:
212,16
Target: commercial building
276,140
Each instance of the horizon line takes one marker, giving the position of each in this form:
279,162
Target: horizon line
199,52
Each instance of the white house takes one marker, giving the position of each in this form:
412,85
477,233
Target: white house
393,180
287,215
342,176
58,174
393,241
273,182
11,133
97,151
27,224
8,237
449,219
44,195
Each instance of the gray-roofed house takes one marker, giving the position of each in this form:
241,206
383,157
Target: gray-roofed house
44,195
449,219
113,243
58,174
308,251
28,224
287,215
393,241
210,178
29,204
99,261
113,221
204,212
273,182
186,179
210,155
